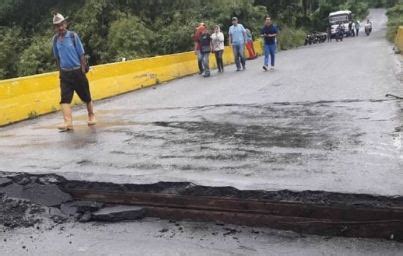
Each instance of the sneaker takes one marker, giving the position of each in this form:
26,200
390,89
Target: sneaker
206,75
265,68
243,68
271,68
238,69
201,72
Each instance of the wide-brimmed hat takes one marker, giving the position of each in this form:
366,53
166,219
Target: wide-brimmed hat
58,18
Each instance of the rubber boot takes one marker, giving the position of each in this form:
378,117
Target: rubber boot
91,116
68,119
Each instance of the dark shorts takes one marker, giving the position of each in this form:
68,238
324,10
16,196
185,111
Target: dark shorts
74,81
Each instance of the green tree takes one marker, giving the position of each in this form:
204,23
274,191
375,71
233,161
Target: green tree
38,57
129,38
137,28
395,15
10,45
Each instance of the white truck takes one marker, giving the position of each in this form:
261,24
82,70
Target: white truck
340,17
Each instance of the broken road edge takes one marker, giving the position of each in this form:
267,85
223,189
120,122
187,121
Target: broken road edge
306,212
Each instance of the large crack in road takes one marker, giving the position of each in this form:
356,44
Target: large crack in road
311,212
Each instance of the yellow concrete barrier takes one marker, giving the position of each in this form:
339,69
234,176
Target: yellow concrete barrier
27,97
399,38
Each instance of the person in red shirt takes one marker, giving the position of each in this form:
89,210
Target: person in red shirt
196,38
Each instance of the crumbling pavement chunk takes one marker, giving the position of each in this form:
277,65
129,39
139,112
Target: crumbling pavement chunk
119,213
47,195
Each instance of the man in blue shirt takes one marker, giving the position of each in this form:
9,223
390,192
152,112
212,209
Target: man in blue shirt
237,38
269,33
69,53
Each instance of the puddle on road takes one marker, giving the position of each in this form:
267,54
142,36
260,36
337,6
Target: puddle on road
286,138
259,135
292,126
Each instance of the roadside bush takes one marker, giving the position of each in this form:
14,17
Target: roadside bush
175,34
359,9
290,38
129,38
395,20
38,57
10,45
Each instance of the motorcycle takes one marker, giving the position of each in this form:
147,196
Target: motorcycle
339,33
315,38
322,37
308,39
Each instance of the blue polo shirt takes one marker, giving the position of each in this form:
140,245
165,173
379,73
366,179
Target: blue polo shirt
269,30
68,52
238,34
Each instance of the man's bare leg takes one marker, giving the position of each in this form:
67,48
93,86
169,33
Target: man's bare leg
68,118
91,114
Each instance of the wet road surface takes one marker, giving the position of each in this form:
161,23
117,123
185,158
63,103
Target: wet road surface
158,237
319,122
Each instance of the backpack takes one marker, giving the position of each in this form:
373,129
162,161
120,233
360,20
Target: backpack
205,41
73,38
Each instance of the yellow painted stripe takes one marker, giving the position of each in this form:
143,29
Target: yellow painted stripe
30,96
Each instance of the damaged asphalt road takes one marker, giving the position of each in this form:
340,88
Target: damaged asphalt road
320,122
28,228
318,130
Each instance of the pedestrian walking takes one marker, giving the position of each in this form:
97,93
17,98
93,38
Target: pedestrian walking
217,40
329,33
70,57
350,29
357,27
237,39
249,44
196,39
205,50
269,33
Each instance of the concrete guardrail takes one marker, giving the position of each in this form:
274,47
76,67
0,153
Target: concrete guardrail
399,38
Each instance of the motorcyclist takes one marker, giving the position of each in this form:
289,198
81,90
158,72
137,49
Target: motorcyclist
339,32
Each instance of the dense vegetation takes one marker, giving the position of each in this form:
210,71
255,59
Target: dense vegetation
139,28
395,15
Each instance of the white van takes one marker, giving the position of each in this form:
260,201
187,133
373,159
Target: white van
343,17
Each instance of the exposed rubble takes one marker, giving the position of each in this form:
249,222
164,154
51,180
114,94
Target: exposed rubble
28,199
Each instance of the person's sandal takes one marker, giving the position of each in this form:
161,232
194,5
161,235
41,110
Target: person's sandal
65,128
92,122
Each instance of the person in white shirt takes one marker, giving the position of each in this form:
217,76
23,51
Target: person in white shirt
217,39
